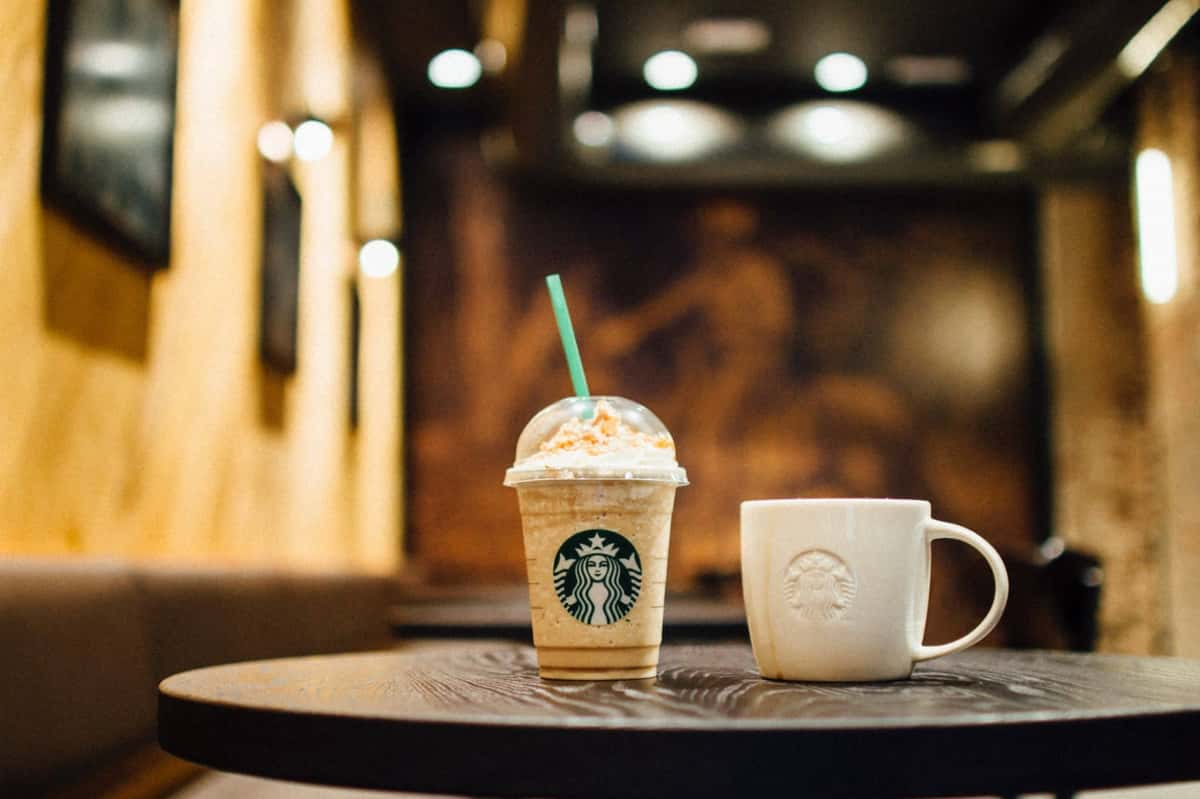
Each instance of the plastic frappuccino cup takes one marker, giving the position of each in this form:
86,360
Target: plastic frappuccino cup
596,479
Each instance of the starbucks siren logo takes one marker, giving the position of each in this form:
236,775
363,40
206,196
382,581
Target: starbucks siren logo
597,576
819,585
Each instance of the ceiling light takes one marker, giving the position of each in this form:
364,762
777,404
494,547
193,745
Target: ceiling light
840,72
1148,42
928,70
275,141
674,130
827,125
378,258
593,129
839,130
492,55
454,69
313,140
670,70
727,35
1156,226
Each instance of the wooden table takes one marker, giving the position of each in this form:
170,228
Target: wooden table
474,718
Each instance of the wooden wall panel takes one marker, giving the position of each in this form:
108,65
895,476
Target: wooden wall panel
130,405
1105,461
1170,121
1126,377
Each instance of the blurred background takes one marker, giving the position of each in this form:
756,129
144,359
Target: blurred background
273,295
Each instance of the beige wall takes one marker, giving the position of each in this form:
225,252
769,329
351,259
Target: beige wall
135,418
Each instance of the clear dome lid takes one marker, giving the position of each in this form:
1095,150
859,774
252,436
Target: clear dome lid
595,438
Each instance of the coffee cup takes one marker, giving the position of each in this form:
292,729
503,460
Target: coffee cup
837,590
595,480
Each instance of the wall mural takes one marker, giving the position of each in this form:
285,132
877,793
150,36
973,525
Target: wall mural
796,344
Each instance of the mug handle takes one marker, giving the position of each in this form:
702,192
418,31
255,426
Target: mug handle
934,530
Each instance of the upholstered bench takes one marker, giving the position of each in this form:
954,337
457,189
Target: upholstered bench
84,643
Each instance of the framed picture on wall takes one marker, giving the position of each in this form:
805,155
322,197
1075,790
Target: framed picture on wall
109,111
280,270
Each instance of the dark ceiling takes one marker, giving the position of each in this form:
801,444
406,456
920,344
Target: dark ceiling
986,37
988,34
993,38
407,34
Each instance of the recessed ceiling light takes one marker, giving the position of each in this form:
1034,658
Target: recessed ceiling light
670,70
840,72
454,69
839,130
674,130
828,126
732,35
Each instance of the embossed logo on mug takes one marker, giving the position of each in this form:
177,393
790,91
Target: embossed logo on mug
819,585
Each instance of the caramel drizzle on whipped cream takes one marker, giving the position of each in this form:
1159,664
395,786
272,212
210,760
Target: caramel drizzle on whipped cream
603,434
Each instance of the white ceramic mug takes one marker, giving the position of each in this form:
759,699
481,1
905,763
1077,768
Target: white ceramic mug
837,589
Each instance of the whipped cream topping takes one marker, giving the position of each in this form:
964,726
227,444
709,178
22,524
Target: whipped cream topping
602,443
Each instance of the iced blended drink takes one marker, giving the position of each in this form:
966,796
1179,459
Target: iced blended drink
596,480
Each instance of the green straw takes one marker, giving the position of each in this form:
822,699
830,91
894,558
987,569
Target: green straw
565,331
